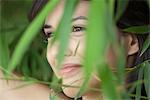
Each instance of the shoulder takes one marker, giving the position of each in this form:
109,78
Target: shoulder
18,90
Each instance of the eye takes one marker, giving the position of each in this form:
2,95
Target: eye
78,28
49,34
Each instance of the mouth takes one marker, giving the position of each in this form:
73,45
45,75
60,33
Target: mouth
69,69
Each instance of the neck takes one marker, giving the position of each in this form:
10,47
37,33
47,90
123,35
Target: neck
92,96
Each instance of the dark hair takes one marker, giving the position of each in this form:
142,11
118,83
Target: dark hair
136,14
36,8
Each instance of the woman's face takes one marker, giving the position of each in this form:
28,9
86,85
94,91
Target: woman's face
71,70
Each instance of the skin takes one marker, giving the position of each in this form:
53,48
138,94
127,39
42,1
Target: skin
75,53
11,90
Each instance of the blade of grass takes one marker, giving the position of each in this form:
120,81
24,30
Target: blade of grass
25,66
111,27
119,50
23,85
62,36
139,86
29,34
147,78
146,45
138,29
95,36
121,64
121,7
142,97
64,29
43,69
107,83
4,51
113,40
96,43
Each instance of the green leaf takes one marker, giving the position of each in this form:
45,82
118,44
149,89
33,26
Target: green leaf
121,61
42,70
62,35
25,66
95,39
138,29
96,43
108,88
147,78
64,29
121,7
139,86
29,34
4,51
146,45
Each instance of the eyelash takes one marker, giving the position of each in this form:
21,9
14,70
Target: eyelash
74,29
78,28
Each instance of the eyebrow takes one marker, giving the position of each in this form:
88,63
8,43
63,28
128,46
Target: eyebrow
79,18
74,19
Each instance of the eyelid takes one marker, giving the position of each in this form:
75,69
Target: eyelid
79,26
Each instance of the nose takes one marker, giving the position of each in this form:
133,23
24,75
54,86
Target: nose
72,49
68,52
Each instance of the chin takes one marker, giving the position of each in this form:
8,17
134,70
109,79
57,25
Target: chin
71,92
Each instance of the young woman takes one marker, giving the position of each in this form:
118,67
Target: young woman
71,70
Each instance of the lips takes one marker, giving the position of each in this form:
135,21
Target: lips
69,69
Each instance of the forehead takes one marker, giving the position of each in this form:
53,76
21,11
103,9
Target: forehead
54,17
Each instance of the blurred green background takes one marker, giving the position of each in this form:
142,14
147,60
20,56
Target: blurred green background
14,21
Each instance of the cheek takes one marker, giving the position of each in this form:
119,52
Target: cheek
50,58
51,55
81,48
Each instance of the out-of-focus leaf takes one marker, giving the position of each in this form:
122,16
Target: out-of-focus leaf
13,35
139,86
147,78
119,50
62,35
146,45
120,64
111,27
25,66
96,43
121,7
4,51
29,34
42,70
64,28
54,97
138,29
24,85
95,40
107,83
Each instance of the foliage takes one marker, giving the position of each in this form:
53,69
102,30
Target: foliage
22,49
